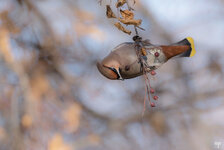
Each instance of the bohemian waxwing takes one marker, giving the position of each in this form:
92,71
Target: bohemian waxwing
123,63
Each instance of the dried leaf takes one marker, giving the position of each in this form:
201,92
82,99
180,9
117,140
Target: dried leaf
127,15
120,27
131,22
110,13
143,50
120,3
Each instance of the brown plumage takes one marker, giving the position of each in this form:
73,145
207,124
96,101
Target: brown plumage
172,51
123,63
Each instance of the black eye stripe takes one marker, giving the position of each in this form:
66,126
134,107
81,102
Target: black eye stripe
114,70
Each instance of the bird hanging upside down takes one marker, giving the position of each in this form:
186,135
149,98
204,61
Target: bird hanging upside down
123,62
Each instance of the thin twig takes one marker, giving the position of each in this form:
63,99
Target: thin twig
136,30
143,112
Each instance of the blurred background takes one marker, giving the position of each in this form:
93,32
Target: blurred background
52,96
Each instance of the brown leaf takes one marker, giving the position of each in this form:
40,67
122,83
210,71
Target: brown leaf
127,15
131,22
143,50
110,13
120,3
120,27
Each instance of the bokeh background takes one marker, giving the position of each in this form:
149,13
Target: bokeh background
52,96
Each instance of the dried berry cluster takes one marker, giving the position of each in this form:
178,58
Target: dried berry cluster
125,16
149,91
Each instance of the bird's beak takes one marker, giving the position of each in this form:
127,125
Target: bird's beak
107,72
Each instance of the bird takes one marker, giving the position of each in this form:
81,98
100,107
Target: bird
123,61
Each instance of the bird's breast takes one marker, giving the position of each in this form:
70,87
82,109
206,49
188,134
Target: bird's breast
131,66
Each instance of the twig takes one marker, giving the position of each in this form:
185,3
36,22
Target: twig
136,30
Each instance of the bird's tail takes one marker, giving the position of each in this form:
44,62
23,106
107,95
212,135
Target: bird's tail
184,48
187,42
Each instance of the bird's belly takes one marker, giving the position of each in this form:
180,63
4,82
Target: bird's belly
150,60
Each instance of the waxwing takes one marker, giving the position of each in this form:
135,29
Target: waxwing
123,62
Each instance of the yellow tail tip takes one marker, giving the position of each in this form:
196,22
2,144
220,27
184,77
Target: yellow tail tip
191,41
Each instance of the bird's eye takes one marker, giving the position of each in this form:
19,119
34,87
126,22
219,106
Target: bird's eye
126,68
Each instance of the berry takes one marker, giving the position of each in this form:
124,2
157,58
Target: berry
155,98
156,54
153,104
152,91
153,73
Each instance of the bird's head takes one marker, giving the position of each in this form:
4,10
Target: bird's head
110,67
